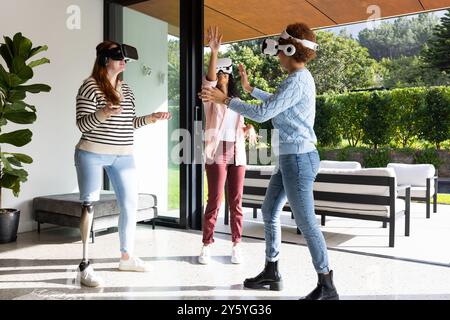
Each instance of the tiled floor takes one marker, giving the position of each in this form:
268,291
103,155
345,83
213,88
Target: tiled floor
42,266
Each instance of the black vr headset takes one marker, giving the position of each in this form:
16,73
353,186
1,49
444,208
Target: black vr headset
121,52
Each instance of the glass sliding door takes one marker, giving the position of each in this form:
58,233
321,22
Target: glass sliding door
153,27
162,83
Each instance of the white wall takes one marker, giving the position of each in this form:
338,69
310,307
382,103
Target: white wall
149,36
72,54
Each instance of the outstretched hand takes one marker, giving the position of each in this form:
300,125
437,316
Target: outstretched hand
162,116
251,134
244,79
212,94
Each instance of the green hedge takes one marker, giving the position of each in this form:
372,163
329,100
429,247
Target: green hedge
385,118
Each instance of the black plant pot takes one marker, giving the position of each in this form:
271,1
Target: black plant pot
9,223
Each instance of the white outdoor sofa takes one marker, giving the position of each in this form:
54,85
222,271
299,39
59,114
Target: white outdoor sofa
328,164
423,179
367,194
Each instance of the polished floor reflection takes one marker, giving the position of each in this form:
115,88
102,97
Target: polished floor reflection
43,267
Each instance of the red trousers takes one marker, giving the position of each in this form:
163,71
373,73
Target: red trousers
221,171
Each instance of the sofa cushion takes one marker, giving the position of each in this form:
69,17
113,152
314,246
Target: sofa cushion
417,192
413,174
356,208
327,164
69,204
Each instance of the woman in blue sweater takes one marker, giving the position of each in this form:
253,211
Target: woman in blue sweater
292,110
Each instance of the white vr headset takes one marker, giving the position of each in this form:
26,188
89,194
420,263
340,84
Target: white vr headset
224,65
273,47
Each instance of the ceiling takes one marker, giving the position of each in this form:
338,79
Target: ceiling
250,19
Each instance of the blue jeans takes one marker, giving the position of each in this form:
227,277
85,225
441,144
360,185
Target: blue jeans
293,181
122,172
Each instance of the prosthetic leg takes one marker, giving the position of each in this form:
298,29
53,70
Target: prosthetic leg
86,273
87,216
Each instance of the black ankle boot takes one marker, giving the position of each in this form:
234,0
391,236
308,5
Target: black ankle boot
269,277
325,289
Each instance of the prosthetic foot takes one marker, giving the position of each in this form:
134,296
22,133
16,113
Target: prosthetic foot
86,273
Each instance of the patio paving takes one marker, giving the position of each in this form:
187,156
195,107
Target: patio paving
43,266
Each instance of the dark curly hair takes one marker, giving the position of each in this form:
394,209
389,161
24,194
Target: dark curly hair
300,31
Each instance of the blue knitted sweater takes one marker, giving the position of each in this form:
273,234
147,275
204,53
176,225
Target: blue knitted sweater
292,110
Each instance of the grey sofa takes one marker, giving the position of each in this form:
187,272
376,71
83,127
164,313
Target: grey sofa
65,210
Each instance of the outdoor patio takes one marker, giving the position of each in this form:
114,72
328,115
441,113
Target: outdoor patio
43,266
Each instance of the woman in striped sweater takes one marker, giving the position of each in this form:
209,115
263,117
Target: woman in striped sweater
105,114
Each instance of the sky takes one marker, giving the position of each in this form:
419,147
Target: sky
354,29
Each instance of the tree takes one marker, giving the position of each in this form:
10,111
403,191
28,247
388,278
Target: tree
434,117
378,125
352,109
404,37
405,104
342,65
326,124
437,54
174,72
410,72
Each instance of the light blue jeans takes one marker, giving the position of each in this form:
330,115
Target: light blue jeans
293,181
122,172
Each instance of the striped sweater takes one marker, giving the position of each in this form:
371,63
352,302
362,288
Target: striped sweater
114,135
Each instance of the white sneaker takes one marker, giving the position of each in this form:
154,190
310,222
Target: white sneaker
133,264
205,255
88,278
236,255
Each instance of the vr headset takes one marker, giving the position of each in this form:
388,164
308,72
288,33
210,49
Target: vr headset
225,65
121,52
272,47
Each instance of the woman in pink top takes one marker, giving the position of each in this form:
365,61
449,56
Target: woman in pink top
225,152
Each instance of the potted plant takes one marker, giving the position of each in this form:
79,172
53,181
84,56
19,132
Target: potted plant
16,52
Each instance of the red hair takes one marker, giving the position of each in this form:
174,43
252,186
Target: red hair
100,74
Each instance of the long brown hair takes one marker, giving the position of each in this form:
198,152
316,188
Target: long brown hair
100,74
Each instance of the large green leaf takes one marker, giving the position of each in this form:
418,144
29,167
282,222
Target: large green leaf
39,62
37,50
7,52
35,88
11,180
20,117
22,46
21,173
14,161
5,163
23,158
9,80
8,180
16,95
20,68
20,106
17,138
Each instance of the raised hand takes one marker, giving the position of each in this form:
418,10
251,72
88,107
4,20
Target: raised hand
214,39
244,79
110,110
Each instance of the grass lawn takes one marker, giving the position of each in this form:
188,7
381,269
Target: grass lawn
174,188
443,198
